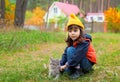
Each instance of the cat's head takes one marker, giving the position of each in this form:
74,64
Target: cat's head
54,61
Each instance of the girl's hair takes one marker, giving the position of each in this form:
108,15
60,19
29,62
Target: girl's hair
80,39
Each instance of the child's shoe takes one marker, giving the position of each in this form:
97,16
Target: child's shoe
76,74
91,70
61,72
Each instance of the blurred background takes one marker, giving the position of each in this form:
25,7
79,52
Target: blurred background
97,15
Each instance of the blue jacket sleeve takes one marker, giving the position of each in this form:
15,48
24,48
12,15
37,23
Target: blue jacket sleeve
64,57
80,53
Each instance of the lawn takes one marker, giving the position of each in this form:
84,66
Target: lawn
24,56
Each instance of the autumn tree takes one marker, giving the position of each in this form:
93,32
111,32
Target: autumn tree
112,16
20,12
37,17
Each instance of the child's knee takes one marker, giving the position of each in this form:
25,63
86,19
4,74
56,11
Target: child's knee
70,49
70,52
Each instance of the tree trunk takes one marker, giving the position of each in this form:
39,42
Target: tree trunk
108,4
90,6
81,4
20,12
73,2
69,1
98,4
2,9
102,5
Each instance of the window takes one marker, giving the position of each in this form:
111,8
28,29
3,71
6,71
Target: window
100,18
55,10
92,19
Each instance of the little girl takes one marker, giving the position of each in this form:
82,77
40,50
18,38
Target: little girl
79,55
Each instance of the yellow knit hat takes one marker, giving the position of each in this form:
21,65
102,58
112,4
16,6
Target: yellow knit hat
74,20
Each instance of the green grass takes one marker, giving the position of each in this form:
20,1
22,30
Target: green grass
16,40
25,56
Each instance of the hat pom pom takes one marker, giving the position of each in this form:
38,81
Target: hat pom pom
72,15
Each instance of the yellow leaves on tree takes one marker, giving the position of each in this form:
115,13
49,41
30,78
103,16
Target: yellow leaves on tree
9,11
112,16
37,17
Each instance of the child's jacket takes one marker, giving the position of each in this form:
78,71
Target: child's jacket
84,49
91,54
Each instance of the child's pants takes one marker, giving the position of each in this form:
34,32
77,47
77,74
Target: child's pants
84,64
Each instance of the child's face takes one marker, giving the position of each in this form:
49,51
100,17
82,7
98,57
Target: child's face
74,33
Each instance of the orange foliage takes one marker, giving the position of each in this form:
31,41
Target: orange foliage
37,18
112,16
9,11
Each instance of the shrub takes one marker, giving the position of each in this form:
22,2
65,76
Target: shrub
36,17
112,16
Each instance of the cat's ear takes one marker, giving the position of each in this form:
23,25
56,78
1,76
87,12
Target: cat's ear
59,59
51,58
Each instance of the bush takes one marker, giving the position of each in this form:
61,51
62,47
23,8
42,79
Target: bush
112,16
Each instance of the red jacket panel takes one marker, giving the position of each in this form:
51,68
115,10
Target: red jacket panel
91,54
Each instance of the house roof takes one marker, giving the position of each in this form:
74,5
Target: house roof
68,8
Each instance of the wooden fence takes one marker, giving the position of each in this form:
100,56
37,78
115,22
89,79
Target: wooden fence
92,27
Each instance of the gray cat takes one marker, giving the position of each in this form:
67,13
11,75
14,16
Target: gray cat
54,68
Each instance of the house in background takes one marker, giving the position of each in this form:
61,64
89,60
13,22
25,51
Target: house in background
96,17
59,9
95,22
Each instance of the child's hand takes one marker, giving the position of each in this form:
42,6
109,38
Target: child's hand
63,67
